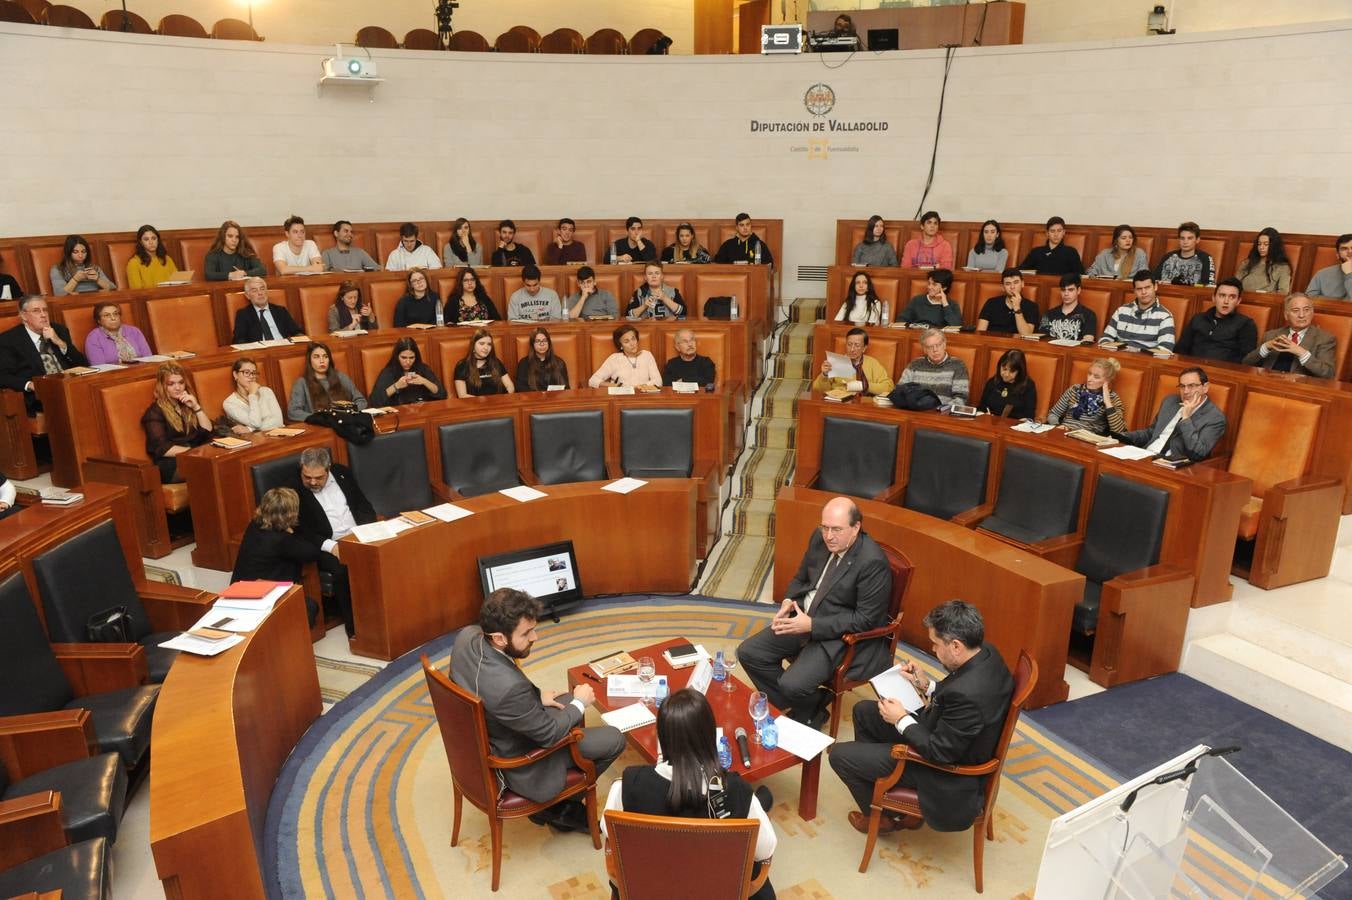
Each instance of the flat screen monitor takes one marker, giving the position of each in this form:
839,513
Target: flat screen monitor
547,572
884,39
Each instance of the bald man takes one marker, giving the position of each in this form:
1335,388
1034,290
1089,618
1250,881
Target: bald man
841,587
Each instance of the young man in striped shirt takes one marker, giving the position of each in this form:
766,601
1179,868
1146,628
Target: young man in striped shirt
1144,325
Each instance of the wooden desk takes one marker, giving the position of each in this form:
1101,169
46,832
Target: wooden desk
425,582
1026,602
731,711
224,725
927,27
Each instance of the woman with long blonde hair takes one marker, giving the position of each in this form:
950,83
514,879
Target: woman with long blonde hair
174,422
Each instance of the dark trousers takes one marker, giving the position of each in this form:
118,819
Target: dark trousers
333,577
168,466
795,689
868,757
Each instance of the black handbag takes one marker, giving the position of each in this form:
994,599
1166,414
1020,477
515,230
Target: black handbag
111,626
355,427
913,397
718,308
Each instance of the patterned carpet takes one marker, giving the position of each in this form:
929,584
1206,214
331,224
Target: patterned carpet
363,806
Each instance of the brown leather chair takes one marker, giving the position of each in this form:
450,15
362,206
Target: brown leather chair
79,321
66,17
1127,384
646,855
35,8
422,39
315,302
234,30
176,25
14,12
514,42
465,42
114,19
887,796
375,37
563,40
607,42
643,40
1340,326
1045,371
568,347
842,680
192,254
474,768
182,323
120,253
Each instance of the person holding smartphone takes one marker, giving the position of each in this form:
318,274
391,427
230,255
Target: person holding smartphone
76,273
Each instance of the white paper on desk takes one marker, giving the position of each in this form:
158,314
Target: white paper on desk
376,531
236,620
896,686
447,512
801,741
348,334
250,345
106,367
702,675
624,686
841,367
523,493
154,357
1029,427
557,387
627,718
189,644
1065,342
624,485
1126,451
616,390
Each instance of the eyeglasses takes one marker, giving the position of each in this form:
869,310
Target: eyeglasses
834,529
1189,387
253,373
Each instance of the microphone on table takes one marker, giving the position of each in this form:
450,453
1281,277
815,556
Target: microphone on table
742,746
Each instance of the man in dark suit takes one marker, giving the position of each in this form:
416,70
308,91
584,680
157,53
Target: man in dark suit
959,725
1188,425
35,347
484,661
842,586
1301,347
331,505
260,321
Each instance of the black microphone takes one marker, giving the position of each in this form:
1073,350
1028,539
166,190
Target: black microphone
743,747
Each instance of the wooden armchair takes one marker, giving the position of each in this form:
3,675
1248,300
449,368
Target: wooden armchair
18,430
888,796
646,855
474,768
948,475
35,856
569,446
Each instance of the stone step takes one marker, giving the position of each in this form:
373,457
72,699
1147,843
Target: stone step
775,433
797,366
1296,636
807,309
754,517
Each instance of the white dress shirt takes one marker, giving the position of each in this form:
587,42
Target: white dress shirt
334,503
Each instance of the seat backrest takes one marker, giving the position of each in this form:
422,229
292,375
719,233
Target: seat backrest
83,575
563,40
114,19
567,347
643,39
176,25
121,252
714,857
464,734
234,30
282,471
79,320
948,473
859,456
42,259
1025,679
464,41
656,442
1340,326
13,12
35,8
1275,441
479,456
392,471
1125,528
513,41
422,39
122,406
1043,369
1039,493
31,680
568,446
182,323
1261,314
66,17
377,37
192,254
315,301
607,42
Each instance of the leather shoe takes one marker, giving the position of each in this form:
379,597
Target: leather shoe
887,824
566,816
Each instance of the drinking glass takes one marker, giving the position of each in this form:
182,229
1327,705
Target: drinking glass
729,663
646,671
759,707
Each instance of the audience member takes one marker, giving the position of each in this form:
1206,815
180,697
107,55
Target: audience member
687,365
481,373
406,378
260,320
1301,347
1010,393
946,375
112,341
931,250
296,254
844,28
1054,257
419,305
1093,405
36,346
321,386
1187,426
875,249
628,366
862,305
9,496
271,551
1011,314
1122,258
842,587
411,252
344,256
9,286
1069,321
1144,324
471,303
232,257
532,302
351,311
1187,264
151,263
174,422
988,254
744,246
870,378
934,307
77,273
251,406
633,247
590,301
685,249
1266,270
959,725
462,249
563,249
1335,281
331,505
1220,332
509,252
655,299
541,368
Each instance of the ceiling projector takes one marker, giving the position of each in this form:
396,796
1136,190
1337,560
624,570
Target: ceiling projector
350,67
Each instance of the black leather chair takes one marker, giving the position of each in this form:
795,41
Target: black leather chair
32,681
657,443
859,458
1039,497
88,574
1124,533
947,474
80,871
284,471
392,471
479,457
568,446
93,794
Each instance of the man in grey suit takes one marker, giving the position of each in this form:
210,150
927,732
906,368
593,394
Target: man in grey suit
1188,425
842,586
484,662
1301,347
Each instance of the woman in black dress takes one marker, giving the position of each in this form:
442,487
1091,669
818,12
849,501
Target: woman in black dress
1010,392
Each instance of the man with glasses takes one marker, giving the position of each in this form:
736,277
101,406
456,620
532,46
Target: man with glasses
841,587
1301,347
331,505
1187,427
870,378
260,321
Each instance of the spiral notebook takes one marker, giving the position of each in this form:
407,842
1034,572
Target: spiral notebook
627,718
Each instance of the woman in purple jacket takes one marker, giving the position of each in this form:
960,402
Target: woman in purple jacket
112,341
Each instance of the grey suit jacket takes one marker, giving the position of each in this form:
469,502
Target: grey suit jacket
1194,437
1323,349
853,599
518,721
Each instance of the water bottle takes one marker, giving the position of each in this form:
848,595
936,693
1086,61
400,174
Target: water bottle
887,313
441,316
758,253
720,670
769,734
564,316
661,696
724,753
732,307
